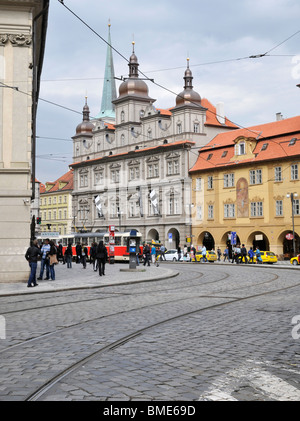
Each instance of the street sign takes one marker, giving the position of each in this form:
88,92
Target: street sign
289,237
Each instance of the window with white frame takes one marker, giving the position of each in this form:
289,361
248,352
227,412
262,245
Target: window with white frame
294,172
134,172
152,170
229,210
279,208
83,180
173,205
240,148
196,128
296,207
179,128
256,176
229,180
115,175
210,211
199,212
198,184
83,212
256,209
210,182
278,174
173,167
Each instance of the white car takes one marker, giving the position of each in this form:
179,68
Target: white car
172,255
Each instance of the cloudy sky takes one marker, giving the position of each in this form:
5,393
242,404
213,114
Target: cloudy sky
218,37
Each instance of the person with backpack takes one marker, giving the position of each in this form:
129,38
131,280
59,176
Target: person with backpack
243,254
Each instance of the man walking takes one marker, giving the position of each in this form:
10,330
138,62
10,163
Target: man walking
31,256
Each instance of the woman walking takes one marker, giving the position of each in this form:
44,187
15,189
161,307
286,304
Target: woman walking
53,259
69,256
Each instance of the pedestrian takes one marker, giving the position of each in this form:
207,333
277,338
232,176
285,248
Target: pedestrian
238,254
53,259
219,253
243,254
226,254
78,252
153,254
68,256
101,255
84,253
185,250
234,254
251,255
203,252
193,253
31,255
60,254
179,253
45,260
93,258
162,252
146,254
258,256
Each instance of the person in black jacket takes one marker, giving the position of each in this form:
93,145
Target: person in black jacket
101,257
31,256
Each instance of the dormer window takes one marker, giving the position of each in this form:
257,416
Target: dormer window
240,148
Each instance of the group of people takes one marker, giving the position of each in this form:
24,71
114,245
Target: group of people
240,254
150,253
50,254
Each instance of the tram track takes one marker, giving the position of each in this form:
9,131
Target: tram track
156,291
50,383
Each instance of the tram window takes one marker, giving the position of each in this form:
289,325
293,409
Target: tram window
105,239
118,240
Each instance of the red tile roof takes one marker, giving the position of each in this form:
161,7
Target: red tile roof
211,116
275,136
66,179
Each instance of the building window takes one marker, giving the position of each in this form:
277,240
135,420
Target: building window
294,172
134,173
179,128
198,184
229,210
210,211
173,167
122,139
173,205
278,174
196,128
134,209
229,180
83,212
152,171
296,206
99,177
83,180
149,134
115,176
49,200
240,148
256,209
210,182
122,116
255,176
279,208
199,212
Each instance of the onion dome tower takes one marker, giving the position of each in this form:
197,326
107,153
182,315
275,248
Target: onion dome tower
86,126
133,86
188,96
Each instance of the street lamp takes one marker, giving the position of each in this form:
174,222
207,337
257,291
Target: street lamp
292,196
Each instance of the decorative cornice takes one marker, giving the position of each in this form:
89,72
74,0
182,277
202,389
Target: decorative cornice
19,40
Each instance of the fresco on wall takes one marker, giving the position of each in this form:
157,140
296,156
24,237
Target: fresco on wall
242,198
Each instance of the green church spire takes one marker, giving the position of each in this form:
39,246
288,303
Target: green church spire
109,92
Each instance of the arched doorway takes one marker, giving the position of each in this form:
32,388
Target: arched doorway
260,240
226,242
286,239
152,235
207,240
173,239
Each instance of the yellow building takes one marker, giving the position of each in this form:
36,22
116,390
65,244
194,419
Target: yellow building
56,205
247,182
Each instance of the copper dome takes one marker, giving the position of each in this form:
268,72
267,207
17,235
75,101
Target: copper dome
85,126
188,96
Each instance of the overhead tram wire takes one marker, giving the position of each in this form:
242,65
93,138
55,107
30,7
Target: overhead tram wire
165,88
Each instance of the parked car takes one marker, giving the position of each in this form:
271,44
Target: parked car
266,257
172,255
211,256
295,260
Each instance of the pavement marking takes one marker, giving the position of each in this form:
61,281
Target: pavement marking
271,386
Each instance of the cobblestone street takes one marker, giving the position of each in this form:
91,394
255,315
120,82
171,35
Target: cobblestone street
200,332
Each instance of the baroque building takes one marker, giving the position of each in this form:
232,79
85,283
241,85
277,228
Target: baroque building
248,182
22,39
133,172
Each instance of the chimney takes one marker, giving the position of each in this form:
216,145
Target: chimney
220,112
279,116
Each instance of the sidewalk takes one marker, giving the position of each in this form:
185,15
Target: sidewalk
79,278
